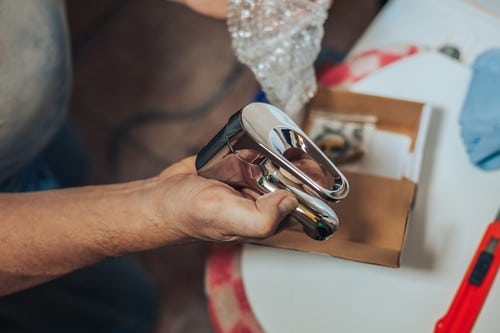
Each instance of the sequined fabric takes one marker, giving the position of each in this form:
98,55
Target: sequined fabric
279,41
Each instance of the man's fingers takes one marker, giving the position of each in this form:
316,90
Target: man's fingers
278,204
269,210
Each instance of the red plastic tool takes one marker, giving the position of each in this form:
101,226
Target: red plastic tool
473,290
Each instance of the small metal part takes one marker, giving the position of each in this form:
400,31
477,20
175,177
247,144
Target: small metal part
451,51
492,245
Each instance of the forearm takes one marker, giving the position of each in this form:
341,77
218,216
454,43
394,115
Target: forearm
47,234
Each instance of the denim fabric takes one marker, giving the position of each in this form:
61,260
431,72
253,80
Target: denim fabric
480,117
113,297
35,177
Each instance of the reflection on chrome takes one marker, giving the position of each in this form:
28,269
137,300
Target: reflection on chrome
262,149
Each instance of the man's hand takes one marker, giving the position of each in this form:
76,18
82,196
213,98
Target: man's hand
199,208
213,8
50,233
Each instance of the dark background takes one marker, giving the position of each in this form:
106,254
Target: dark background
153,82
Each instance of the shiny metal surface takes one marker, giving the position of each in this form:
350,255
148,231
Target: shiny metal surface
264,150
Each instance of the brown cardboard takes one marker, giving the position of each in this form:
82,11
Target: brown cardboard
373,218
395,115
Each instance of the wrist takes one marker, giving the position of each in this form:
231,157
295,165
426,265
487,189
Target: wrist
132,221
158,212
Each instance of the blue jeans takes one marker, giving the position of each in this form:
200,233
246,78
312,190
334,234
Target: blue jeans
115,296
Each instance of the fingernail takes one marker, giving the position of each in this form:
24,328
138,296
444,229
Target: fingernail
287,205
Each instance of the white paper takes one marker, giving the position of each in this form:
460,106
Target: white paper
386,154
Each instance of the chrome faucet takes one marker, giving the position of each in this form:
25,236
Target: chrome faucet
263,149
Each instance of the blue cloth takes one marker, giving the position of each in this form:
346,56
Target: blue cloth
480,117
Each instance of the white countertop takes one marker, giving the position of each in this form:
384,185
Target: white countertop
291,291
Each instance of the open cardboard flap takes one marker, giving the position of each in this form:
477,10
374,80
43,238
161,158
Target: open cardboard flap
375,214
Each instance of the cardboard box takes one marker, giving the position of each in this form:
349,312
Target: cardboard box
374,216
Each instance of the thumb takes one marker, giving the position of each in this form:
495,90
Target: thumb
277,204
274,206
